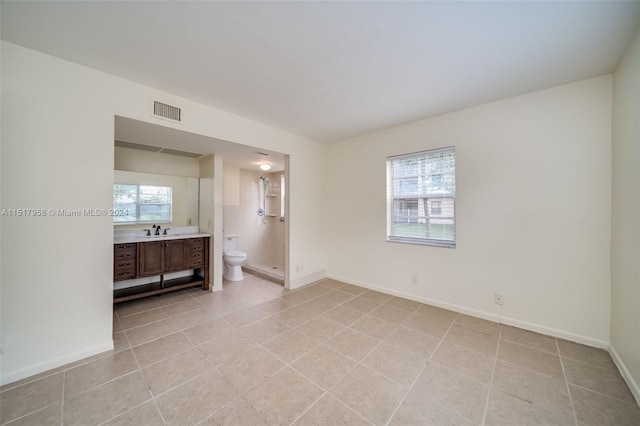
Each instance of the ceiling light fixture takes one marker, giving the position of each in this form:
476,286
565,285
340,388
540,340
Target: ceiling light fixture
265,166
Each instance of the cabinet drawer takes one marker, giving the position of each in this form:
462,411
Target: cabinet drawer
196,244
124,274
195,263
125,247
124,264
123,255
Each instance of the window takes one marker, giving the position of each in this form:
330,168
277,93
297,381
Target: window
421,193
143,203
436,208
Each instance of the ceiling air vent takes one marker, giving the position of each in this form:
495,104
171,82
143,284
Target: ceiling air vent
167,111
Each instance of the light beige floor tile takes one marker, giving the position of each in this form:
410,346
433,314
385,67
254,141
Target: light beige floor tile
337,296
87,376
50,416
343,315
524,356
594,356
297,297
294,317
396,363
391,314
376,296
473,340
227,347
370,394
324,366
434,326
120,342
135,306
208,331
250,368
164,347
509,410
349,288
434,312
318,305
607,381
106,401
274,306
540,389
143,318
405,304
145,415
476,324
374,327
330,283
265,329
175,371
117,327
316,290
460,394
320,328
172,298
290,345
149,332
193,318
181,307
413,341
593,409
352,343
465,361
417,409
361,304
329,411
284,397
196,400
245,316
237,413
529,338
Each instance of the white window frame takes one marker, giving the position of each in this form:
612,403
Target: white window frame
138,221
423,177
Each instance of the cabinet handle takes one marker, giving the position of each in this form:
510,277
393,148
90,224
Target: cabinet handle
123,273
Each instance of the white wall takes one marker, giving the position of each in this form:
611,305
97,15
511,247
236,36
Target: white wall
625,238
533,208
58,152
137,160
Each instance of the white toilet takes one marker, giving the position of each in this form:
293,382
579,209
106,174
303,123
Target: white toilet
232,258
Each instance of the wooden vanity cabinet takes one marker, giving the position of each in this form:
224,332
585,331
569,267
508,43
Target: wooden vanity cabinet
157,258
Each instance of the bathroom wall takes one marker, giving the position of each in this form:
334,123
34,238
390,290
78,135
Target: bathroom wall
263,241
136,160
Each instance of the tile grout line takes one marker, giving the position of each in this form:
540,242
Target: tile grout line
493,373
566,383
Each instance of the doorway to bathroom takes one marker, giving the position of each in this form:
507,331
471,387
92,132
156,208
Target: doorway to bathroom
255,211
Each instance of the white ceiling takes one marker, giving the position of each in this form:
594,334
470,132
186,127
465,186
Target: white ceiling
330,70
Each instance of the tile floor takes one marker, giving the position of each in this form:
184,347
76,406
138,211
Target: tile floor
328,354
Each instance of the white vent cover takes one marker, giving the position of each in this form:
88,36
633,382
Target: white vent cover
167,111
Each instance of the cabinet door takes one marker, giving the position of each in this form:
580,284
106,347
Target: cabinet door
174,258
151,258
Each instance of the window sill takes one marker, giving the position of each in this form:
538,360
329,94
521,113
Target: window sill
422,242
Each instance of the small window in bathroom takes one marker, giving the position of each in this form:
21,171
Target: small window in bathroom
421,193
141,204
282,206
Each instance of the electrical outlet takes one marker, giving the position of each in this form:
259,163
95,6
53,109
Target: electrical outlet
498,299
414,279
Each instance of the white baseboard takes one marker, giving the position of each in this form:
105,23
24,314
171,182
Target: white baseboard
307,279
14,376
626,375
480,314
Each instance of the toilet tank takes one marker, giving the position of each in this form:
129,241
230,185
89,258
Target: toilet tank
229,243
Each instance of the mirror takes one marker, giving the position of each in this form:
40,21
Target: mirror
184,198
